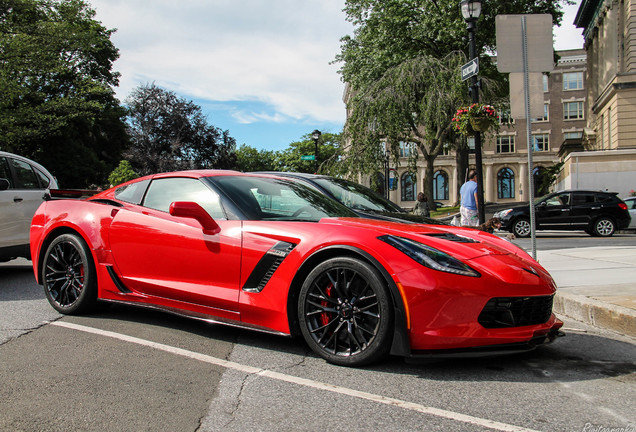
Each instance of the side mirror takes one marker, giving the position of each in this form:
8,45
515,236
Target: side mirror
542,204
4,184
192,210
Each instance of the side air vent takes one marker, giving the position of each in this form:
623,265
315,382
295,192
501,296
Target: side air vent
265,268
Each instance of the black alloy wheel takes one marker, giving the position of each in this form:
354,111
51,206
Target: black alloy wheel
345,312
68,275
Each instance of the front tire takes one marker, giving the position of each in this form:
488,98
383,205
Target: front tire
68,275
345,312
604,227
521,227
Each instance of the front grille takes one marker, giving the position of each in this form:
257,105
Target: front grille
502,312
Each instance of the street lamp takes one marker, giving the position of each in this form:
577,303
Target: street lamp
387,158
471,10
315,135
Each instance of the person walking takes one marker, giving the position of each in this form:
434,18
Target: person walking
421,206
468,204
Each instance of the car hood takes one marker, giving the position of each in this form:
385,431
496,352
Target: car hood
463,243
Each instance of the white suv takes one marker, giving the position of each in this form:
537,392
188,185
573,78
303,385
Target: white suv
22,186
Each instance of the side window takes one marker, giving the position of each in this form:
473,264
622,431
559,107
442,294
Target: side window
580,199
132,193
44,180
4,171
24,175
163,192
559,200
605,198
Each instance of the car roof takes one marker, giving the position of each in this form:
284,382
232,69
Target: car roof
30,161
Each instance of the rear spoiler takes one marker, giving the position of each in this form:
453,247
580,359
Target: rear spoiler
51,194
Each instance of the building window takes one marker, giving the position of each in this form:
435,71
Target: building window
573,81
505,183
407,149
546,114
573,135
408,187
540,142
506,144
440,185
537,178
573,110
545,83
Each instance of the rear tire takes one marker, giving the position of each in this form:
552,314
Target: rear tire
604,227
345,312
68,275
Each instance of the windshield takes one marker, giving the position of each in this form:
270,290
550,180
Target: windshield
262,198
356,196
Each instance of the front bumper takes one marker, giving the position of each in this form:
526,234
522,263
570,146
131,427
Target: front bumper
492,350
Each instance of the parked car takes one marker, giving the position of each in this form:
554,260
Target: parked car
22,186
270,254
362,200
631,208
595,212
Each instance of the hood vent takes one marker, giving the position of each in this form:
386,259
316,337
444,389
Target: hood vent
452,237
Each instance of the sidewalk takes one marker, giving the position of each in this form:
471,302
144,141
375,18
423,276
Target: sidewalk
596,285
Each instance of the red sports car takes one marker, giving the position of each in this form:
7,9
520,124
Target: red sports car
270,254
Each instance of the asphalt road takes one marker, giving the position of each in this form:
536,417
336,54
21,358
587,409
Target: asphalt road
130,369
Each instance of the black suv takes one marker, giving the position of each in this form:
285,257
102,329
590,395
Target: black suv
595,212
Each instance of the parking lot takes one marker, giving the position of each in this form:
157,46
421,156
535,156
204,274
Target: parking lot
131,369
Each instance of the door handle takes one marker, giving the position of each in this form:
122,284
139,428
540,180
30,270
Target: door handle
17,199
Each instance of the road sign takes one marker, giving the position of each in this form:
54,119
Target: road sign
308,157
470,69
540,57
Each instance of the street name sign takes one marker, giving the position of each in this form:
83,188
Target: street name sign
470,69
308,157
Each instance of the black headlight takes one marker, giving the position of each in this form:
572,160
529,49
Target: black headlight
428,256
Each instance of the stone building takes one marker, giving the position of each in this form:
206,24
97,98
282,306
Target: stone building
505,154
607,157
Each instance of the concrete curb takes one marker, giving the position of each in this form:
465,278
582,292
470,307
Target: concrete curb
600,314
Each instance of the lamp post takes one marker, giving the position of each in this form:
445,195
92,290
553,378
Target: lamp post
471,10
315,135
387,156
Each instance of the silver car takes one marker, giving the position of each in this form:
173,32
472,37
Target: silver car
22,186
631,207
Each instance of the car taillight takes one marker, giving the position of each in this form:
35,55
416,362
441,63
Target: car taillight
623,206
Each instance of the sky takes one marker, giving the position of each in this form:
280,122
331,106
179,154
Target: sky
261,69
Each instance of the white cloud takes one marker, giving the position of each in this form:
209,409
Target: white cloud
276,52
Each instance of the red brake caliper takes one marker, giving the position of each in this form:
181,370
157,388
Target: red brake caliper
325,317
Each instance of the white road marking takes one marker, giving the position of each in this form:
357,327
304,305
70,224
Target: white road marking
299,381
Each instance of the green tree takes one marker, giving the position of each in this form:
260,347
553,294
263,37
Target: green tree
250,159
56,76
328,155
170,133
123,173
379,62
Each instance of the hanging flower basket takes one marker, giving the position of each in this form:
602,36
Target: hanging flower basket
480,124
475,118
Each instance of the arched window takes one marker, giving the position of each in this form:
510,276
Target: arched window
409,191
378,184
537,178
440,185
505,183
